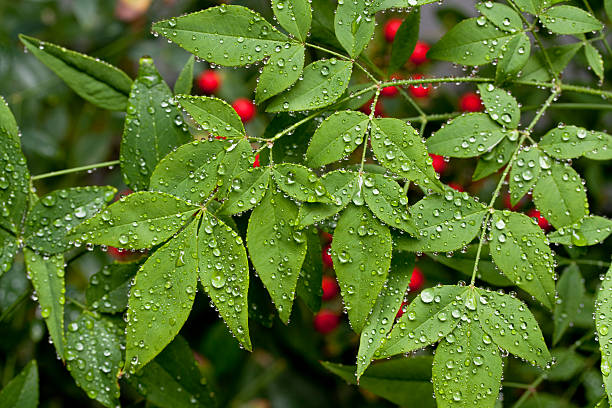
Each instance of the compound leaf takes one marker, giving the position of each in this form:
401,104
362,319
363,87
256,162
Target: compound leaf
213,115
237,158
525,172
504,17
518,51
280,71
570,142
294,16
500,105
387,200
300,183
566,19
494,160
246,190
589,230
354,26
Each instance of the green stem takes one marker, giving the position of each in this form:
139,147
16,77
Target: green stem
515,385
530,390
433,117
572,106
367,137
75,169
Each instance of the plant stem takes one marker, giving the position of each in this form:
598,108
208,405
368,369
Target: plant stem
367,137
75,169
530,390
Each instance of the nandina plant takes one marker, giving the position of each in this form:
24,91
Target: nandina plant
218,210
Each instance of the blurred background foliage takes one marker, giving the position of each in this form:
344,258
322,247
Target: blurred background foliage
60,130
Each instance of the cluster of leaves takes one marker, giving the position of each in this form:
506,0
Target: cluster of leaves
190,164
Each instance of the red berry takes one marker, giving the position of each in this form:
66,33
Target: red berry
417,279
419,55
400,312
330,288
326,321
470,102
391,28
244,108
121,255
456,186
390,91
256,162
542,222
508,203
420,90
123,193
209,81
326,237
438,163
326,256
367,108
220,137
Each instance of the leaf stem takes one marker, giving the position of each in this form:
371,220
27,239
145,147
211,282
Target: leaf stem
75,169
531,389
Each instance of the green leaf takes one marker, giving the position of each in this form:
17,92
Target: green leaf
281,71
405,40
467,369
429,317
444,222
189,172
354,26
161,298
525,172
237,159
337,137
568,364
214,115
518,51
589,230
520,249
109,288
342,185
500,105
309,283
224,273
300,183
247,189
569,142
361,243
594,60
94,80
560,195
571,291
502,16
463,261
512,327
405,382
8,124
387,201
153,126
93,357
47,276
474,41
603,322
386,307
380,5
530,6
320,85
566,19
537,68
173,379
294,16
399,148
494,160
276,248
22,391
9,245
226,35
184,82
14,182
608,7
137,221
50,219
468,135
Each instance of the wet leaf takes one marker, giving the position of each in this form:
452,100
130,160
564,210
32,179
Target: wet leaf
500,105
161,298
276,248
468,135
22,390
354,26
594,60
309,282
513,59
444,222
281,71
560,195
589,230
238,158
531,6
536,68
153,126
467,369
508,322
379,5
494,160
294,16
8,124
47,276
93,357
14,181
399,148
502,16
570,142
405,40
337,137
224,273
361,251
137,221
109,288
571,291
320,85
300,183
603,322
525,172
566,19
520,250
246,190
387,305
214,115
189,172
184,82
50,219
94,80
